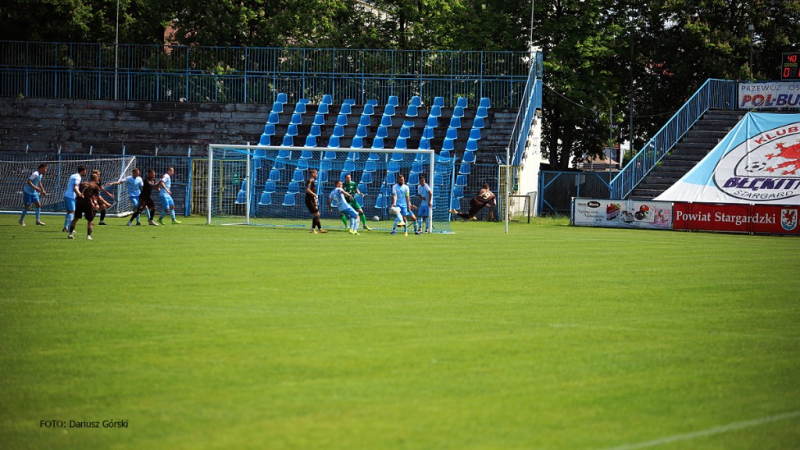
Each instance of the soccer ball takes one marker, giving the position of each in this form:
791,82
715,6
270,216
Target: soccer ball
376,218
394,210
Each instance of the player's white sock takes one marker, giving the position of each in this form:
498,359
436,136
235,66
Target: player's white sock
38,213
172,214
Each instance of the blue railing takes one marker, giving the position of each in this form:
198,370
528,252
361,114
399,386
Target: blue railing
531,101
257,75
714,94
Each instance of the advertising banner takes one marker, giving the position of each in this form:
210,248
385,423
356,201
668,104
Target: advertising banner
757,162
622,213
781,94
768,219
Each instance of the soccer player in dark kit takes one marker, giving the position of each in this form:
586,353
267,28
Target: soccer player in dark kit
145,199
312,203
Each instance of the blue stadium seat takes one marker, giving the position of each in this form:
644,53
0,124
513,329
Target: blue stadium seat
275,175
455,122
391,178
349,166
412,111
260,153
316,131
274,119
386,121
322,177
393,167
333,142
297,119
478,122
358,142
305,101
416,167
291,131
369,109
377,143
294,187
370,166
265,140
300,108
400,143
366,177
443,156
362,187
285,154
475,134
436,111
462,102
326,99
298,175
277,107
464,169
269,129
344,174
302,164
458,191
282,98
338,131
364,121
241,196
438,179
353,156
346,109
360,199
311,141
468,158
323,109
325,165
415,101
405,132
319,120
485,103
373,157
349,101
341,120
380,202
288,200
482,113
458,111
461,180
397,157
408,123
455,202
472,145
279,164
388,110
424,144
433,122
361,131
421,158
331,155
441,168
413,178
438,101
382,132
392,100
428,133
448,144
266,199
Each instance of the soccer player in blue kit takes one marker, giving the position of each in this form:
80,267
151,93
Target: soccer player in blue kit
343,198
30,194
165,196
401,199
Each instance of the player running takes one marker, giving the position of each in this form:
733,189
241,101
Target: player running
165,196
312,202
342,199
426,206
88,201
30,194
134,184
351,188
70,194
401,200
145,200
103,205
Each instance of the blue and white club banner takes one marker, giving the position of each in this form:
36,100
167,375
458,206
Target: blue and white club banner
782,94
758,162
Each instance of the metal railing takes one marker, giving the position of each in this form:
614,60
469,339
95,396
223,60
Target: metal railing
251,74
556,189
714,94
531,101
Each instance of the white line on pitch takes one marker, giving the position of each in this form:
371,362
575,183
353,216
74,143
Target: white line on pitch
708,432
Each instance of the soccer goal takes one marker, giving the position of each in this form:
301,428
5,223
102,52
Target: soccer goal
265,185
14,175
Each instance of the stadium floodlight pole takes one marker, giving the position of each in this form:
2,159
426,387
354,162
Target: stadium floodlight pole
209,180
116,57
508,186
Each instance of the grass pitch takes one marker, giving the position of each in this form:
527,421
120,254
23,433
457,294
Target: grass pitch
551,337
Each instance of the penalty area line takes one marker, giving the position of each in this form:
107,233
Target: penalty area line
709,432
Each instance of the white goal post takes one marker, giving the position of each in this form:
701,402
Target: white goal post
265,185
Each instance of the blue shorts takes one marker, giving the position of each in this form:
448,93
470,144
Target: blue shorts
69,204
29,199
423,211
166,202
349,212
134,201
404,211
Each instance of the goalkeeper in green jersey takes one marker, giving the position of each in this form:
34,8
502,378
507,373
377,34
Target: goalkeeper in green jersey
351,188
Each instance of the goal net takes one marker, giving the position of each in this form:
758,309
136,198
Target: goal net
15,174
265,185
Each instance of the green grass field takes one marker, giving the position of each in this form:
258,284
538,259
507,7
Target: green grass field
551,337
